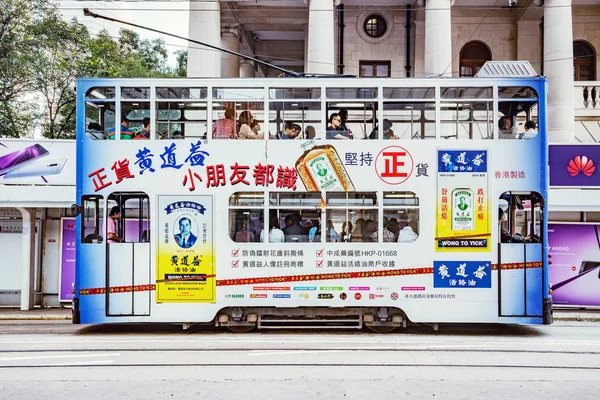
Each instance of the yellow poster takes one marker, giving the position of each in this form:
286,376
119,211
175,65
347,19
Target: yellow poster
463,212
186,262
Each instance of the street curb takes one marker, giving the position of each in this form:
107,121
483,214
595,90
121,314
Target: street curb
35,318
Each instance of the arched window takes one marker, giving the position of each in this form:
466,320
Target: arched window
472,57
584,61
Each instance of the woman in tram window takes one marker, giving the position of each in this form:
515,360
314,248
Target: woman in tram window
245,127
506,130
346,233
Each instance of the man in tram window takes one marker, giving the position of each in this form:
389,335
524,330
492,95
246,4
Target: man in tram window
185,238
126,133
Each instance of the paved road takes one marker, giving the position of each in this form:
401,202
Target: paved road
57,360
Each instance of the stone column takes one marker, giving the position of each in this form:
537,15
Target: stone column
247,69
320,54
205,26
438,37
558,68
230,40
28,257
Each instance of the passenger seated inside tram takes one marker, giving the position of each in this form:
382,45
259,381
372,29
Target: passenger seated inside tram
248,128
530,130
505,236
335,129
506,129
126,133
178,135
290,131
94,131
310,132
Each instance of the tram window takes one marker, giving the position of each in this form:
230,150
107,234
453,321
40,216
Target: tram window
285,199
295,93
357,119
245,224
92,219
351,93
99,118
466,120
181,93
135,217
466,93
242,94
135,93
520,217
409,93
244,112
132,116
400,217
100,93
295,120
407,121
517,119
351,225
517,92
351,198
252,199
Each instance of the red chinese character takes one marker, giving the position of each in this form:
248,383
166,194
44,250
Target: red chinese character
505,174
263,174
192,183
498,174
99,184
238,174
392,164
513,174
444,207
480,215
480,199
286,177
521,174
444,215
122,171
480,192
215,175
444,191
480,207
444,199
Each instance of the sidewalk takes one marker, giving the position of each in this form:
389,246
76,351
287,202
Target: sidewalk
57,313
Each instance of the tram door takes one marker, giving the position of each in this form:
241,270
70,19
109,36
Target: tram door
128,255
520,254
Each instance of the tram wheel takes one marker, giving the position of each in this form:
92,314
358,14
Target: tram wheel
381,328
241,328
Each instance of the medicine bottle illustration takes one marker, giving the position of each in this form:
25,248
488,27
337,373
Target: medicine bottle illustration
321,169
462,210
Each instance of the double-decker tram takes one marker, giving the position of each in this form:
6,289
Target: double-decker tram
312,202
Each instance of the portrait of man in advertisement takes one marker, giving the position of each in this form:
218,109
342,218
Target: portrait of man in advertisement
185,238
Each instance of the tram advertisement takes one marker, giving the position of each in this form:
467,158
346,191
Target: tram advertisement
462,222
575,270
185,262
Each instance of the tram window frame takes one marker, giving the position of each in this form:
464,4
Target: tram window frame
359,126
340,206
102,113
516,205
467,114
392,112
97,213
519,104
405,203
121,199
277,118
256,108
238,207
285,206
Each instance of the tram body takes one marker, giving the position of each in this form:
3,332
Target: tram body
196,212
